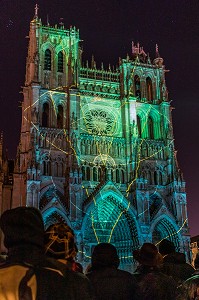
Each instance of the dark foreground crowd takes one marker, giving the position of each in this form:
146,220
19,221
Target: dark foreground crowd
41,265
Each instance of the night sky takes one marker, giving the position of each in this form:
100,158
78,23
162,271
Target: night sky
107,28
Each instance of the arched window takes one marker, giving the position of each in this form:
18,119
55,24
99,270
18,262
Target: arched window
150,128
111,174
149,177
94,174
60,62
137,87
99,174
122,176
88,173
149,89
139,126
62,167
49,168
161,178
44,168
47,60
155,178
56,169
45,115
106,173
83,173
60,117
117,176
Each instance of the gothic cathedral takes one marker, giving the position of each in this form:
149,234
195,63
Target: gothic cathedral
96,147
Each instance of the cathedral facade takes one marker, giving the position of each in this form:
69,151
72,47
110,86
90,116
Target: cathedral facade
96,147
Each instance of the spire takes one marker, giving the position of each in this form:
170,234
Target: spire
138,52
36,11
158,61
93,63
157,51
148,59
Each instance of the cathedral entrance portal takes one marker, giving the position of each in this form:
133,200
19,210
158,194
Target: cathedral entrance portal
110,221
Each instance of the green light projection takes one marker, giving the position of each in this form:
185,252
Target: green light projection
102,122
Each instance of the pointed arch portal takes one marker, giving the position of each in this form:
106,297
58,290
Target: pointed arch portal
164,229
110,220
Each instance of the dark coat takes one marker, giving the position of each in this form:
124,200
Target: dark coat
189,289
78,284
154,285
175,265
23,260
110,283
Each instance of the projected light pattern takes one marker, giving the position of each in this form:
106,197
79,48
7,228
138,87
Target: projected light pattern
102,235
103,144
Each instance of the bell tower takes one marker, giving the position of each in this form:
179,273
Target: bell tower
49,130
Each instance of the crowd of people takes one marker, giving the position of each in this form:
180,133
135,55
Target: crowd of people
41,265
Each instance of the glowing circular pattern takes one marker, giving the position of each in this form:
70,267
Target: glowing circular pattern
100,122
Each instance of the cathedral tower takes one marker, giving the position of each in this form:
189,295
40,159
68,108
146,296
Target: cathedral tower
96,148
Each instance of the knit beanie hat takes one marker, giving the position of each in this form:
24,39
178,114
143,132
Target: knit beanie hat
22,226
105,255
166,247
60,242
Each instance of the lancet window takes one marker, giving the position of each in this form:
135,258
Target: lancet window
139,126
47,60
87,173
149,88
122,176
83,173
47,168
45,115
137,87
117,176
60,117
94,174
60,62
99,174
150,128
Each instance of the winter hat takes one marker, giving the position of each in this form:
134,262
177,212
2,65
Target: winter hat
59,242
22,226
148,255
166,247
105,255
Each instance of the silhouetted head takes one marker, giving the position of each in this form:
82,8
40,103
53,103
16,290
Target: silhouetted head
148,255
166,247
105,255
59,242
22,226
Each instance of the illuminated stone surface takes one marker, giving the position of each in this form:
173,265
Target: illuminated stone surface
97,148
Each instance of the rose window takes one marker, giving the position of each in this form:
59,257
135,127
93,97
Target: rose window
100,122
